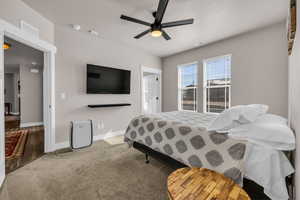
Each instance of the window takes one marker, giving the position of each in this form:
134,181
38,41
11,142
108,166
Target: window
217,84
187,87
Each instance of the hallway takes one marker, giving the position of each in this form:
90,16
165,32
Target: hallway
22,146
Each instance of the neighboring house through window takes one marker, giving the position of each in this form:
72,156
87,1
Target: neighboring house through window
187,87
217,84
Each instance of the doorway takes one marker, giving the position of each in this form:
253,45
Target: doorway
151,90
23,96
49,51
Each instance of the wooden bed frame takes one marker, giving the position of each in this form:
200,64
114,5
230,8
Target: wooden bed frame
254,190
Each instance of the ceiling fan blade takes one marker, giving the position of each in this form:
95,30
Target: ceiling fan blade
177,23
142,34
162,6
165,35
135,20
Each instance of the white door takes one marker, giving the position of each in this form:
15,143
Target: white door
151,83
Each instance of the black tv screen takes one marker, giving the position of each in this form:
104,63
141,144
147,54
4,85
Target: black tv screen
106,80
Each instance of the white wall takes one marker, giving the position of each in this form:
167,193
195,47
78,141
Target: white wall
259,69
31,95
294,81
75,50
13,11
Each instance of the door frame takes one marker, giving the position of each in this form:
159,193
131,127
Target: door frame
15,33
153,71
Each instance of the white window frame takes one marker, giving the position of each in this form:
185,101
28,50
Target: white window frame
205,87
179,88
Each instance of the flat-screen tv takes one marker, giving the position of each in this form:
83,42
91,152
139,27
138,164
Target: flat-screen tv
107,80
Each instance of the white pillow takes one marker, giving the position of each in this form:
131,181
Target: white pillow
237,115
268,130
270,118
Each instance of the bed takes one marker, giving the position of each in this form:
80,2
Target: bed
183,137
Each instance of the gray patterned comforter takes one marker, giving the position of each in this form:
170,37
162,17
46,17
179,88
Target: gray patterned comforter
184,137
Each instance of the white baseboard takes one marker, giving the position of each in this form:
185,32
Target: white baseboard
2,180
108,135
14,113
64,145
30,124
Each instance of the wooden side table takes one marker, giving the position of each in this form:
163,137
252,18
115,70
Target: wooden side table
203,184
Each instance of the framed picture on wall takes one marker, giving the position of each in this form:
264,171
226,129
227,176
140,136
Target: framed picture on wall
292,25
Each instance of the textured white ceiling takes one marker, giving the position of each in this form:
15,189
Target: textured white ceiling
214,19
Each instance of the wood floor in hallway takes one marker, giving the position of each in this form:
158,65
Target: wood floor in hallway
34,148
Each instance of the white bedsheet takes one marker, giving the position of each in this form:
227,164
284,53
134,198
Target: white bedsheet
268,168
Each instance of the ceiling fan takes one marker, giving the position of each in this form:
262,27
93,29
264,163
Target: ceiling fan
156,28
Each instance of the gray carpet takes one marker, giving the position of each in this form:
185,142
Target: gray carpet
105,171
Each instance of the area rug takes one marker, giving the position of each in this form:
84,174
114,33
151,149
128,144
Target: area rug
29,129
14,143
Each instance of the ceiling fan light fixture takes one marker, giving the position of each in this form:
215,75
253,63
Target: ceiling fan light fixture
6,46
156,33
156,29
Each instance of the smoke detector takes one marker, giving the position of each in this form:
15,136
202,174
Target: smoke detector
76,27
